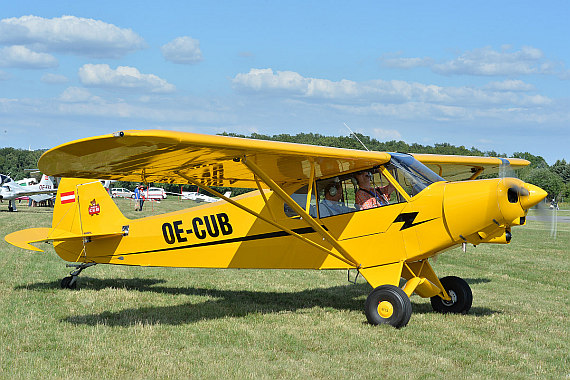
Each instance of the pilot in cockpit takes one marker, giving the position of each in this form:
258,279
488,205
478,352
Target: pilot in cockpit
333,202
368,196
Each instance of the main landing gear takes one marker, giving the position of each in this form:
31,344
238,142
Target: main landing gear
460,293
389,304
70,282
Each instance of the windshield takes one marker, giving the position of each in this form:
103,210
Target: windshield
411,174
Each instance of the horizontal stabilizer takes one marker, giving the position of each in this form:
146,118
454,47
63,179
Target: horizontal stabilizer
23,238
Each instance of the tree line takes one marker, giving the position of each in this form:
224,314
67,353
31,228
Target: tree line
555,179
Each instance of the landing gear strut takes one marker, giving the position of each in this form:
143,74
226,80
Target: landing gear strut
70,282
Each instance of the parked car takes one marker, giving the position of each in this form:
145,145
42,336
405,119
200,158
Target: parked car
121,192
154,193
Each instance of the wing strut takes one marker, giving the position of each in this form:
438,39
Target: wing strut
299,210
274,224
475,174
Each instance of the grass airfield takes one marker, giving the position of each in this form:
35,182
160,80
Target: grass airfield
134,322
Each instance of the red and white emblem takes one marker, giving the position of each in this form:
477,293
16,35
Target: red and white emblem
68,197
94,208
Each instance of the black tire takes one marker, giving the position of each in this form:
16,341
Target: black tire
388,304
460,293
66,283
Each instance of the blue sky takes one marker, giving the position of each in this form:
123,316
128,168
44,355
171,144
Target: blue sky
494,75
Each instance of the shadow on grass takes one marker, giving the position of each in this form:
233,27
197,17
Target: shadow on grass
475,281
223,303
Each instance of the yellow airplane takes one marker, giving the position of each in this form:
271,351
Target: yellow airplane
381,214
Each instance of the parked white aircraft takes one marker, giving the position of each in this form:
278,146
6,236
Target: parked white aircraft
10,190
199,197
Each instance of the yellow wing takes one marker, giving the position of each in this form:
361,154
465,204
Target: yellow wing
455,168
161,156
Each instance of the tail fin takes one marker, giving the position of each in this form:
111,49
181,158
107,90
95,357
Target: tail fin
46,183
84,207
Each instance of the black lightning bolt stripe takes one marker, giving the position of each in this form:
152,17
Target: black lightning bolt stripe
408,219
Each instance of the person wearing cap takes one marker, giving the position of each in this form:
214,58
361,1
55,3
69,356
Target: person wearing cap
370,197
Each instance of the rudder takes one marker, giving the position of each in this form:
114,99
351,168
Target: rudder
83,206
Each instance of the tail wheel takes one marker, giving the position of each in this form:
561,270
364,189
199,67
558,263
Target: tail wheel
66,283
460,293
388,304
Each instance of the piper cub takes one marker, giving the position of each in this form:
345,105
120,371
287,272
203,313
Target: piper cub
311,207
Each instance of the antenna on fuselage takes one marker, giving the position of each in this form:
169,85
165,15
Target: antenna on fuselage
354,134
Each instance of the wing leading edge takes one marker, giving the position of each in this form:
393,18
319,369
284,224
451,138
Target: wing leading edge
456,168
161,156
169,157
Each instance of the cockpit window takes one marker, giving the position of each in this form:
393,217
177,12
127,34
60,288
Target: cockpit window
365,189
353,192
300,197
336,196
411,174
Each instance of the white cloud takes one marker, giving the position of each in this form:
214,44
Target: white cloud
124,77
184,50
266,80
77,95
510,85
24,58
488,62
291,84
70,34
484,62
51,78
386,134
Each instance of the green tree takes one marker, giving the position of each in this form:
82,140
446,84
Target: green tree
566,192
14,162
547,180
562,169
535,161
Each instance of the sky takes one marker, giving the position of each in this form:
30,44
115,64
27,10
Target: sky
494,75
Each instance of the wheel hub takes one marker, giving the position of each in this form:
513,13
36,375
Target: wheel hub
385,309
453,298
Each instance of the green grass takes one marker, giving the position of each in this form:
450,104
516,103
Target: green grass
130,322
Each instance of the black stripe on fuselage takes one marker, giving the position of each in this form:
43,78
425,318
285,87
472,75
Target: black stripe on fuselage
269,235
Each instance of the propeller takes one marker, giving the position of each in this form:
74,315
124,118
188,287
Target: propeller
527,194
3,179
548,216
507,171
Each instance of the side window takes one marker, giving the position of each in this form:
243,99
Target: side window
300,197
349,193
380,181
336,196
410,186
357,191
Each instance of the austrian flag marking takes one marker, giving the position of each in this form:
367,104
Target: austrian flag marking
68,197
